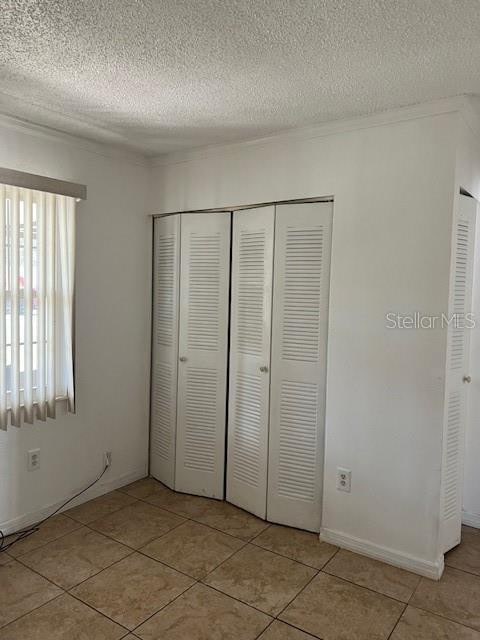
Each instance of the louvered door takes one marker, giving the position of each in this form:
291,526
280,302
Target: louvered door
299,350
457,371
164,348
252,261
203,344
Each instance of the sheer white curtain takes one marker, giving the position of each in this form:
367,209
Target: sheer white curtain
37,243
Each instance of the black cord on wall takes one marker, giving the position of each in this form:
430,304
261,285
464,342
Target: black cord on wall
24,533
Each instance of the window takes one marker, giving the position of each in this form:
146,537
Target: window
36,299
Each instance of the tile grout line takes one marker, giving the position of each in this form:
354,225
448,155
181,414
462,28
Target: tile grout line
248,604
234,552
165,606
138,625
185,519
406,607
224,561
190,519
40,546
470,573
170,511
110,537
132,551
32,610
296,596
317,571
397,622
72,595
304,564
68,591
443,617
77,522
274,617
434,613
134,500
361,586
23,563
251,541
201,580
264,630
154,493
292,626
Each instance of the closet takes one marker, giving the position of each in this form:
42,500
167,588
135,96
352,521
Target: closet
277,305
280,282
189,351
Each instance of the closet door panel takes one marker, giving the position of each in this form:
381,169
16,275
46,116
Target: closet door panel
166,252
252,262
203,345
299,343
460,304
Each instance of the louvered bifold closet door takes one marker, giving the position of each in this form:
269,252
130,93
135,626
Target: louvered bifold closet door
248,415
299,353
166,254
203,353
460,300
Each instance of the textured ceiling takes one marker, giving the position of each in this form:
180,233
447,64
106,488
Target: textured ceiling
163,75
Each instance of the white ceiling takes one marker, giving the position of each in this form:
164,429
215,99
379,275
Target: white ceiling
162,75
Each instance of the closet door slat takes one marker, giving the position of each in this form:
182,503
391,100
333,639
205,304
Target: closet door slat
299,343
166,253
252,262
203,345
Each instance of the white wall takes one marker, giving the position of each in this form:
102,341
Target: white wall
112,332
393,189
468,177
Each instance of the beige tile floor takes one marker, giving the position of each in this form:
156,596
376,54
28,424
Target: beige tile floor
145,562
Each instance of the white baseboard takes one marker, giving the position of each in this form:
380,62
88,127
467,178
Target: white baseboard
27,519
471,519
425,568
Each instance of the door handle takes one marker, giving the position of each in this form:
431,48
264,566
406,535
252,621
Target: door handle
264,369
467,379
182,359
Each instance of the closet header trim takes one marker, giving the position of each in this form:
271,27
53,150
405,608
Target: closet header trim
244,206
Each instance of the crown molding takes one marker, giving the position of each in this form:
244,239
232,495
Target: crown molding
383,118
467,105
117,152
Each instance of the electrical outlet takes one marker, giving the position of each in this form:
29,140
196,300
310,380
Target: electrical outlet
33,459
107,459
344,479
